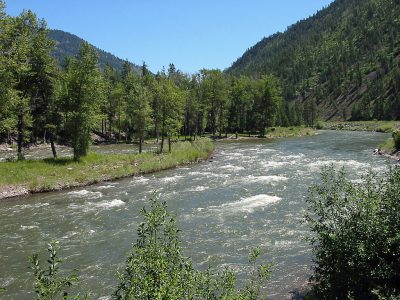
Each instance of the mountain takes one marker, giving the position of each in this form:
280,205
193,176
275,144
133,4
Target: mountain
68,44
345,58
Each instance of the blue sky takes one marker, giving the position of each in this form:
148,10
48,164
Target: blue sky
192,34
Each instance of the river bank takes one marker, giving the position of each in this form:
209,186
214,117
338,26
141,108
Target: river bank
377,126
33,176
271,133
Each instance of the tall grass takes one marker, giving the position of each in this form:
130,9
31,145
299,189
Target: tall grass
53,174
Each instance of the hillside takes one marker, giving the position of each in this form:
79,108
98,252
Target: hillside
68,44
345,58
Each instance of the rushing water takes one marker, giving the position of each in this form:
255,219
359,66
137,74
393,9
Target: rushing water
249,194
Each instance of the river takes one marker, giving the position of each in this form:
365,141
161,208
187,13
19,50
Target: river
249,194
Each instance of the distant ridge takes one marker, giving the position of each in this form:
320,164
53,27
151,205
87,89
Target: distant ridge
345,57
67,44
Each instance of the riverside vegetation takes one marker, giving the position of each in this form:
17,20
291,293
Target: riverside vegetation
356,238
57,173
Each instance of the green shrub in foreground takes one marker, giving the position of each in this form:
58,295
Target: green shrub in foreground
157,269
356,241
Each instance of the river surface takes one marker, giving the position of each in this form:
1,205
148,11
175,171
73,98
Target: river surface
249,194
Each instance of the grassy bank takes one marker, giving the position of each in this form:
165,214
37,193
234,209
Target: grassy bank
54,174
272,133
282,132
388,146
378,126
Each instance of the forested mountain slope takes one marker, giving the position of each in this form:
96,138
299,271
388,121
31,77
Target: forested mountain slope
345,58
68,44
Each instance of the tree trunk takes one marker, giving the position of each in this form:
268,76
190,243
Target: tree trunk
140,144
109,128
169,143
162,144
44,137
53,147
119,126
20,139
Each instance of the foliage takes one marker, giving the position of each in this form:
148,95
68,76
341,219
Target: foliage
157,269
48,283
355,235
82,92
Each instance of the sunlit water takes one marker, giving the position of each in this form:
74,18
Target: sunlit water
249,194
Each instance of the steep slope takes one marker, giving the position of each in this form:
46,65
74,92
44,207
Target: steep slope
345,57
68,44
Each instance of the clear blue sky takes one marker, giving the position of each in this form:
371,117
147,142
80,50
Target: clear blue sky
192,34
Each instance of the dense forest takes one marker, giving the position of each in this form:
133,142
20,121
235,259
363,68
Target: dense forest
42,102
345,59
67,44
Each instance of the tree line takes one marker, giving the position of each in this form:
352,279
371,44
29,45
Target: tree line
42,102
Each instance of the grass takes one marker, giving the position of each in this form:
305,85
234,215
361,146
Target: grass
54,174
378,126
281,132
388,146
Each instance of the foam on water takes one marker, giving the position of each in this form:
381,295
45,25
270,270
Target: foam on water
85,194
349,164
171,179
108,204
248,204
23,227
105,187
274,164
265,179
36,205
232,168
199,188
140,180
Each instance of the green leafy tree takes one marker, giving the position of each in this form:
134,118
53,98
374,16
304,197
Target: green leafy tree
355,237
139,111
15,48
83,86
268,99
215,96
170,109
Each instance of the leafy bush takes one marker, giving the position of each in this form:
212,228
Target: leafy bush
48,284
157,269
396,139
319,126
356,241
